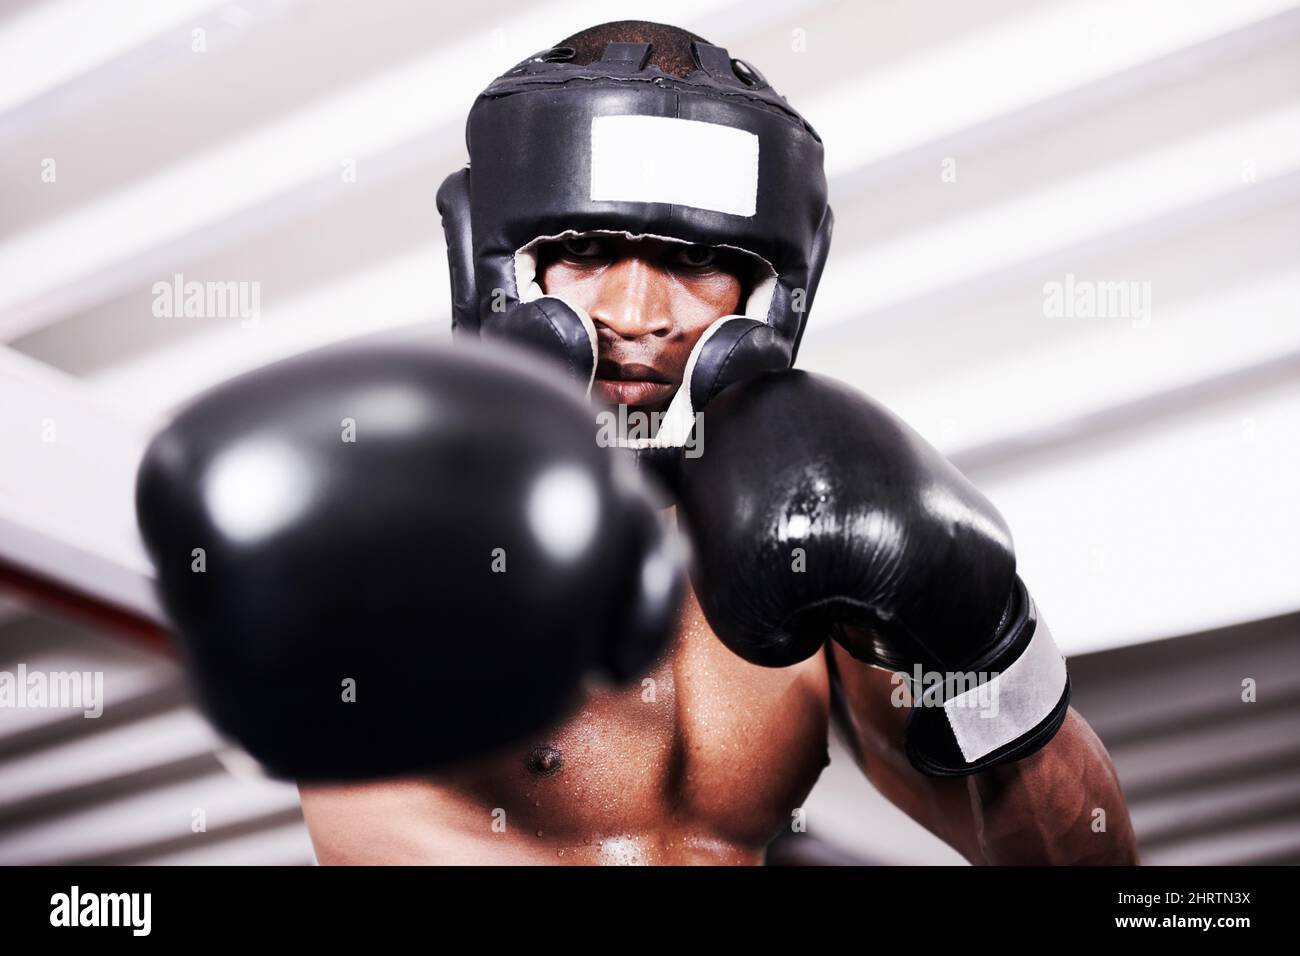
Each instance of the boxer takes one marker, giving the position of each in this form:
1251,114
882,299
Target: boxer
651,216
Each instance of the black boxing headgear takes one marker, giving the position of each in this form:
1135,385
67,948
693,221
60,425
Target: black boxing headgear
715,158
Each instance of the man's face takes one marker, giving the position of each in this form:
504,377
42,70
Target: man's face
650,301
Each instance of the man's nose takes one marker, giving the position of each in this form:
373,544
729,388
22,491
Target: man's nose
632,300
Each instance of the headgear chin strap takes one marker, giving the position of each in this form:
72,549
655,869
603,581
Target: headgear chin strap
716,158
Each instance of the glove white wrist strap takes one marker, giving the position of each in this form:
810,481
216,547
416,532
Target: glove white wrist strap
1011,703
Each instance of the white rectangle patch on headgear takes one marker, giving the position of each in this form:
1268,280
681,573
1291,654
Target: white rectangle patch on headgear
670,160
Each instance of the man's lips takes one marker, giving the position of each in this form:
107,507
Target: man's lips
617,392
630,384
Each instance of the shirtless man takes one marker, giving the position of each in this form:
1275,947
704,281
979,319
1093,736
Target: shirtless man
707,756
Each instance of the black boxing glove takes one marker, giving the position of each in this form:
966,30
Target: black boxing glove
467,559
816,513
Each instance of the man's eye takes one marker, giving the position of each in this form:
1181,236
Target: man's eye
583,247
697,257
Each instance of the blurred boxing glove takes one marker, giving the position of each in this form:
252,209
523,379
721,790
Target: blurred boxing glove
816,513
409,556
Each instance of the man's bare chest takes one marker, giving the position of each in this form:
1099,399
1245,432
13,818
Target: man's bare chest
704,742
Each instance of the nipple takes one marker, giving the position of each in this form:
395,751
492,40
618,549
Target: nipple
544,761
